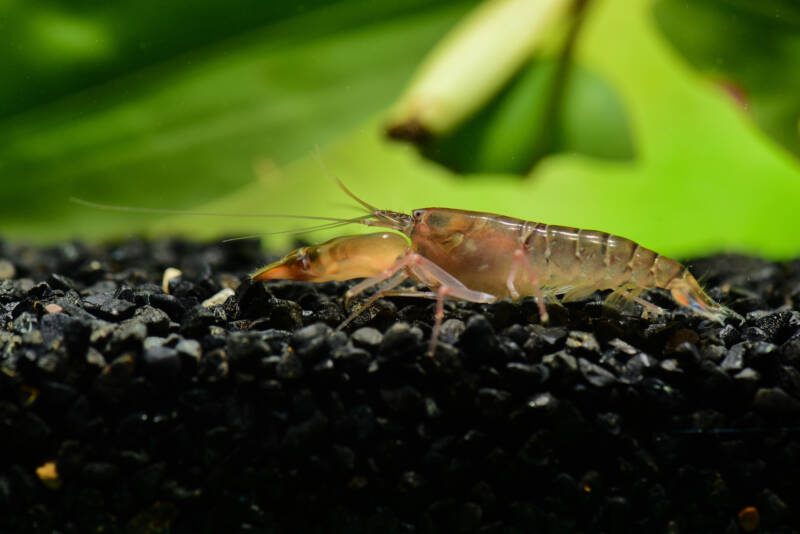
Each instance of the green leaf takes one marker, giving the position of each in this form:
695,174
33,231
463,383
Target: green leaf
592,119
54,48
527,121
750,49
195,128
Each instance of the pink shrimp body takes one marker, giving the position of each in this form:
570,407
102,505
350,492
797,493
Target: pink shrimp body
482,257
478,249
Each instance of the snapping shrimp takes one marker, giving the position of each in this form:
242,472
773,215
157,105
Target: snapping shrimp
483,257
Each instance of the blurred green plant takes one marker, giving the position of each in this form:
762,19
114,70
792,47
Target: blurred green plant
525,122
234,125
190,128
750,49
53,48
490,98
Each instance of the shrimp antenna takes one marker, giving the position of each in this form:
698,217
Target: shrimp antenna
132,209
297,230
369,207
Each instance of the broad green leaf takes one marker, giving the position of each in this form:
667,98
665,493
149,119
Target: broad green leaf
52,48
750,49
592,119
197,127
527,120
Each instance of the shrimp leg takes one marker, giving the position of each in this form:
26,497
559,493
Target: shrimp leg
521,258
523,252
399,278
447,286
431,275
655,309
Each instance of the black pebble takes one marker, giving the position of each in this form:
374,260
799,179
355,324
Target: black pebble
127,337
452,330
197,320
775,400
479,338
145,482
734,358
99,473
106,306
285,315
492,402
156,320
729,335
162,363
401,339
54,327
313,342
289,367
169,304
405,400
59,281
367,337
352,360
595,375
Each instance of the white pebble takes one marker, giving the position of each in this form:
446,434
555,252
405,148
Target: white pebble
218,299
170,273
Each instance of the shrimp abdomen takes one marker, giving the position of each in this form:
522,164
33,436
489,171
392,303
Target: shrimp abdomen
578,262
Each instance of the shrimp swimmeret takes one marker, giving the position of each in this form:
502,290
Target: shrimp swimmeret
483,257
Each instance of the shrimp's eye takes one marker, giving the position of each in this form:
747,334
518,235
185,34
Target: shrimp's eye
417,213
303,259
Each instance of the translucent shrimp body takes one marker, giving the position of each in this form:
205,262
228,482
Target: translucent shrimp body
562,260
482,257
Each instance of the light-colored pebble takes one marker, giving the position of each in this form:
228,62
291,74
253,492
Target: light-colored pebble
48,474
7,270
218,299
53,308
170,273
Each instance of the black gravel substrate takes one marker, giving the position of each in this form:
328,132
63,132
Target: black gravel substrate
127,409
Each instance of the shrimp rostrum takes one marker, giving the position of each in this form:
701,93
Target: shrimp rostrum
483,257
